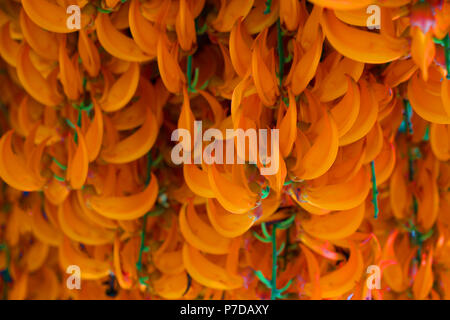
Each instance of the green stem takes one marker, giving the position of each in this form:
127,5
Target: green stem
280,52
141,250
264,230
273,291
200,30
79,125
59,164
407,117
144,222
447,54
268,6
414,232
189,71
409,131
194,82
374,190
60,179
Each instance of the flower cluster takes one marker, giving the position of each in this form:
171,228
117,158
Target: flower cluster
94,207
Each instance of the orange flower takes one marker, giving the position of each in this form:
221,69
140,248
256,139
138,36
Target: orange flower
89,177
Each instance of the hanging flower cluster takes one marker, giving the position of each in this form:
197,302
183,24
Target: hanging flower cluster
93,205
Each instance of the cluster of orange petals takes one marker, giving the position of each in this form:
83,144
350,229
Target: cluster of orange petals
87,177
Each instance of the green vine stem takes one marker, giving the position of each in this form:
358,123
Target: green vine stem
409,131
156,212
59,164
192,83
447,54
142,248
445,42
268,6
189,71
416,237
271,238
144,222
374,190
273,293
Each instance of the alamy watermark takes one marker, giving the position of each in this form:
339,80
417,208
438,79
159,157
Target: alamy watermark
74,20
374,20
374,280
74,280
255,151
